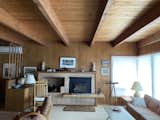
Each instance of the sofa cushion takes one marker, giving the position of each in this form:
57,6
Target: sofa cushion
152,104
145,112
46,106
158,110
138,102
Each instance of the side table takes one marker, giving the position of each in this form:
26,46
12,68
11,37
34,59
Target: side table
124,100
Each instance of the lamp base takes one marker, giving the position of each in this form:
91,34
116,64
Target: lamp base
137,94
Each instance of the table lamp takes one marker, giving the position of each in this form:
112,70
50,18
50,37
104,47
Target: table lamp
137,87
30,79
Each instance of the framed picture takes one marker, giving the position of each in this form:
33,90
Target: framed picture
9,71
67,62
104,62
105,71
29,70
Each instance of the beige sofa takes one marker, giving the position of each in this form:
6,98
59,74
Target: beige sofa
149,112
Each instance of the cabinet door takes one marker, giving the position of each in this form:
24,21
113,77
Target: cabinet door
26,98
31,96
15,100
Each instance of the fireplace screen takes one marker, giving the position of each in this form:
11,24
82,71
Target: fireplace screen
80,85
55,83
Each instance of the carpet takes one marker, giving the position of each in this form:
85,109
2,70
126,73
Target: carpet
84,108
59,114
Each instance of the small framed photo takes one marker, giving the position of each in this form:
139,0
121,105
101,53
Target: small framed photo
105,71
67,62
9,71
32,70
104,62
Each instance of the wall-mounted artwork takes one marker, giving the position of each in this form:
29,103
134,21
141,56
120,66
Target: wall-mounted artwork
105,62
9,71
29,70
67,62
104,71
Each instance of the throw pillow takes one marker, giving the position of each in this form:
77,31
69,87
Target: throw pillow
138,102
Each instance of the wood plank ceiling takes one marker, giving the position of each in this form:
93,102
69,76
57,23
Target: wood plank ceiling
90,21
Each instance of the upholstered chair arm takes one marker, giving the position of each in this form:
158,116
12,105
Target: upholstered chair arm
33,114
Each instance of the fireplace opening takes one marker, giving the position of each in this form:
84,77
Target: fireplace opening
55,83
80,85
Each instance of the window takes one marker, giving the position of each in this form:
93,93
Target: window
145,73
124,72
156,75
145,69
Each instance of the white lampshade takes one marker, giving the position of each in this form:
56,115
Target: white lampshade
30,79
136,86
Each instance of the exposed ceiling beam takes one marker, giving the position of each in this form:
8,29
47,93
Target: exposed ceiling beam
142,21
48,12
103,17
149,40
7,35
16,25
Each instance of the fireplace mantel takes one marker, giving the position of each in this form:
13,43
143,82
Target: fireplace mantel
58,98
42,75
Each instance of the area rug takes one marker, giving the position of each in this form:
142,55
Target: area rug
84,108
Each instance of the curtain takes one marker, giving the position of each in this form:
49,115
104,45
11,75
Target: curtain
145,69
145,73
156,76
124,72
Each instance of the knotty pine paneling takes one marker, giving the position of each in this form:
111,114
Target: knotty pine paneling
153,48
35,54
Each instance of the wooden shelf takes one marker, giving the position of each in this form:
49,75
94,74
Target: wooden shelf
84,95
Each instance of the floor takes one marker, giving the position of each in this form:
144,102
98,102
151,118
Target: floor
59,114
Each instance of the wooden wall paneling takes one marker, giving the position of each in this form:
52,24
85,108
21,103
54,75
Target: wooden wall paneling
149,40
143,20
11,22
121,15
147,31
10,36
42,30
27,13
79,18
149,49
35,54
48,12
101,22
21,9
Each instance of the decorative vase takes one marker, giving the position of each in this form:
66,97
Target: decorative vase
43,67
93,66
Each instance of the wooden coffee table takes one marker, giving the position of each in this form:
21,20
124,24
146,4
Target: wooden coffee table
117,115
